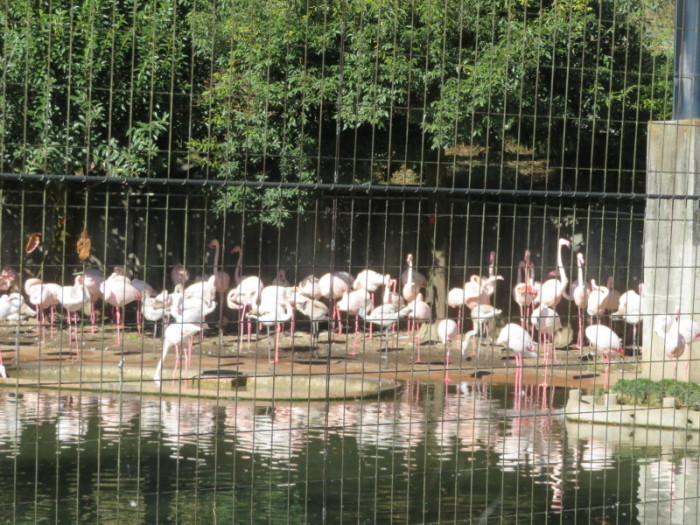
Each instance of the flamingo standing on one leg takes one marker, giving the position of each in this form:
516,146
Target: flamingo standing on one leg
603,340
447,331
514,337
630,310
580,295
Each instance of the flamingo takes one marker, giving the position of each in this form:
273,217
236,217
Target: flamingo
333,286
677,332
371,281
146,290
118,291
455,299
597,300
514,337
547,322
174,335
245,294
273,314
281,279
523,293
447,331
42,295
420,312
155,308
193,309
552,290
74,299
309,287
9,279
14,308
613,303
481,315
351,302
580,295
630,309
384,316
412,281
478,290
603,340
668,328
92,279
316,311
179,276
222,281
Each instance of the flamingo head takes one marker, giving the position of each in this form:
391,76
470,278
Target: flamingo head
214,243
553,274
580,259
611,282
409,258
235,249
565,242
492,258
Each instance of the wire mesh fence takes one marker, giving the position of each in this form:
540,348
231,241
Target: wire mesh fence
328,262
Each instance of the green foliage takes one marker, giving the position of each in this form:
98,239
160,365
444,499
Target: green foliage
86,85
271,91
651,393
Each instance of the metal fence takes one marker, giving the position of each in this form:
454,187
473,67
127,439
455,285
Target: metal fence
329,262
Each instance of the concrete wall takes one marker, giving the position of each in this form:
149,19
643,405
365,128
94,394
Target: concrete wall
671,239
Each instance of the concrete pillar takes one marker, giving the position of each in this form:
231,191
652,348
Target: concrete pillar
671,241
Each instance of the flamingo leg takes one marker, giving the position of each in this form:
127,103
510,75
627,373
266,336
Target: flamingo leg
278,329
447,379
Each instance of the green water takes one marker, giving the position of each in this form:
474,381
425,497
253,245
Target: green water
428,456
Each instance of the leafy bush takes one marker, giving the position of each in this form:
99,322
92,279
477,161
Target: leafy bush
651,393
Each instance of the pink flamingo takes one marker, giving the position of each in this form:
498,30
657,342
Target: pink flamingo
455,299
580,295
74,299
419,313
316,311
118,291
514,337
547,322
351,303
91,279
604,341
174,335
273,314
552,290
9,279
523,293
245,294
371,281
179,276
333,286
448,331
412,281
597,300
630,310
42,295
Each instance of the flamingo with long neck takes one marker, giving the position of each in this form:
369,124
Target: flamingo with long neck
552,290
580,295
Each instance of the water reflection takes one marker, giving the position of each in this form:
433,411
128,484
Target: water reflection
458,453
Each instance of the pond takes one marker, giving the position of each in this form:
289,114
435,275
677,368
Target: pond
471,452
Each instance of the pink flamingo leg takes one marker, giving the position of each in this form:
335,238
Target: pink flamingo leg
447,379
278,329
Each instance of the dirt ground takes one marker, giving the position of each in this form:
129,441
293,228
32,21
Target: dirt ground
394,357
